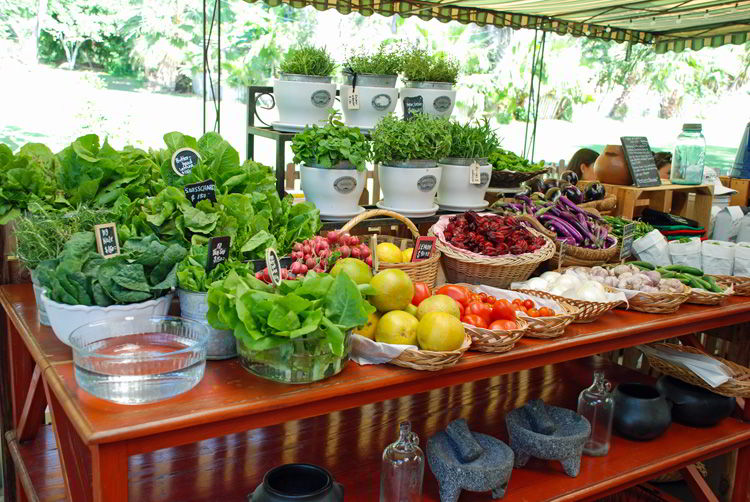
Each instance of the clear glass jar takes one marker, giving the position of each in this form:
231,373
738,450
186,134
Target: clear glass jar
402,469
597,405
689,155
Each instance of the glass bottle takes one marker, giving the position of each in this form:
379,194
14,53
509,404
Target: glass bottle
402,469
597,405
689,155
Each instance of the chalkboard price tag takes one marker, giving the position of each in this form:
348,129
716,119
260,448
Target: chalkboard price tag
423,248
196,192
274,266
475,176
184,160
412,106
106,240
640,161
218,251
626,247
352,100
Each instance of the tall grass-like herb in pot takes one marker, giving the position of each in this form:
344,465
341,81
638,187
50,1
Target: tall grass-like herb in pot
431,77
308,60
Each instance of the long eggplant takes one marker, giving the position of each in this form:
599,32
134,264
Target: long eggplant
566,228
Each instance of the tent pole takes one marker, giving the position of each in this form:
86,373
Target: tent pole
531,95
538,93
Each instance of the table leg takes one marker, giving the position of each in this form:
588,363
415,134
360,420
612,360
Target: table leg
741,490
110,462
6,416
280,166
698,486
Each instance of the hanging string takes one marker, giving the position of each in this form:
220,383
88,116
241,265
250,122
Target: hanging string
531,95
538,94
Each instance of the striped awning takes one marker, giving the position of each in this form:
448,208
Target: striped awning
668,25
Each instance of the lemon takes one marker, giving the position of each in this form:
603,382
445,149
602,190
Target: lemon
411,309
394,290
368,330
406,254
387,252
397,327
440,331
439,303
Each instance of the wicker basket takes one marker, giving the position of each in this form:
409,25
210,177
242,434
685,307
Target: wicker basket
511,179
703,297
496,271
550,326
574,255
428,360
420,271
608,203
659,303
740,285
737,386
587,311
497,341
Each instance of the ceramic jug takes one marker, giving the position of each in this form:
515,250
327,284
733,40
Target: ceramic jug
694,406
610,167
298,483
641,411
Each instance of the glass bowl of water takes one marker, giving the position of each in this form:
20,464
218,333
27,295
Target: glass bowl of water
138,360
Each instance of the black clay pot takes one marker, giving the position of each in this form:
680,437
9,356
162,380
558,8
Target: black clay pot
298,483
692,405
641,411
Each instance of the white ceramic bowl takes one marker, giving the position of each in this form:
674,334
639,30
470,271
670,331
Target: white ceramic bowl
65,318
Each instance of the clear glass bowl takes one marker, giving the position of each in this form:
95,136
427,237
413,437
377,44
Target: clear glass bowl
137,360
302,360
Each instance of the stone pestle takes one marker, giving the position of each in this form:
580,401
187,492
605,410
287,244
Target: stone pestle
539,419
467,448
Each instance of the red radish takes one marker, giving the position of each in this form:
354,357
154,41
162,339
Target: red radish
356,252
364,251
259,276
332,236
306,249
345,251
368,260
318,270
297,246
344,239
284,273
324,254
353,241
295,267
303,269
310,262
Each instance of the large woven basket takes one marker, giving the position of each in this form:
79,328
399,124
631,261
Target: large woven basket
574,255
587,311
608,203
659,303
740,285
497,271
429,360
511,179
703,297
420,271
737,386
497,340
550,326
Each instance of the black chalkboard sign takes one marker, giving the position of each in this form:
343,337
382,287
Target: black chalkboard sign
412,106
196,192
218,251
274,266
184,160
640,161
626,247
106,240
423,248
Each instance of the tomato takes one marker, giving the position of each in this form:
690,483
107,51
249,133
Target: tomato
517,301
421,291
491,300
503,311
528,304
483,297
458,293
474,320
546,312
533,313
504,324
503,301
461,308
481,309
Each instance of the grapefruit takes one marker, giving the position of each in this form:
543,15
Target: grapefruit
411,309
440,331
357,270
394,288
387,252
439,303
406,254
368,330
397,327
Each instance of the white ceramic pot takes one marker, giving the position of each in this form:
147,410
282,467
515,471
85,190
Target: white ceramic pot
335,192
41,313
65,318
456,189
303,100
438,98
411,185
377,98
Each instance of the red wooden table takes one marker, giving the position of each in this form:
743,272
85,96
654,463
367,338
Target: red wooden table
109,452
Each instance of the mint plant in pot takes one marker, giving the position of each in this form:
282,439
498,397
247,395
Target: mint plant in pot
332,162
466,170
304,92
431,77
408,151
372,78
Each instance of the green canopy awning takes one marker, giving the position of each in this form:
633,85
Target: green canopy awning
668,25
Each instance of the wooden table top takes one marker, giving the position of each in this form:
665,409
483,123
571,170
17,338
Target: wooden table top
228,394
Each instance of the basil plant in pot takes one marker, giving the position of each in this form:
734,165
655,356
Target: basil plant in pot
372,78
304,91
431,77
332,162
407,151
466,170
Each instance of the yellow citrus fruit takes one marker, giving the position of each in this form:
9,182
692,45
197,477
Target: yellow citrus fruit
397,327
357,270
368,330
388,252
406,255
440,331
394,288
438,303
411,309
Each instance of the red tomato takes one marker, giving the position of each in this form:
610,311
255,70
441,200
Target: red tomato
458,293
533,313
474,320
504,324
528,304
502,311
421,291
461,308
517,301
503,301
483,297
546,312
481,309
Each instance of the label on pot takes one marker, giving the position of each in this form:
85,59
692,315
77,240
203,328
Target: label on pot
218,251
352,100
381,102
106,240
475,177
196,192
320,98
484,178
184,160
412,106
274,266
345,184
626,247
442,104
426,183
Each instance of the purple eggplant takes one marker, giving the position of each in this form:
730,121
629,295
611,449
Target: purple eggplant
569,176
552,194
573,193
595,191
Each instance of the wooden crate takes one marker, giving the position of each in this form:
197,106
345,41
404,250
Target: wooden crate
742,197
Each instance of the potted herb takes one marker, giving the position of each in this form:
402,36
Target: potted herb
304,92
372,77
431,77
332,166
466,170
407,151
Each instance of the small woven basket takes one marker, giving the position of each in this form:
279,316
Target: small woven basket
587,311
429,360
740,285
737,386
550,326
608,203
574,255
511,179
419,271
498,340
703,297
659,303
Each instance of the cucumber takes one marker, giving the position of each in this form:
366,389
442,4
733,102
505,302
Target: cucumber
712,282
685,269
643,265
